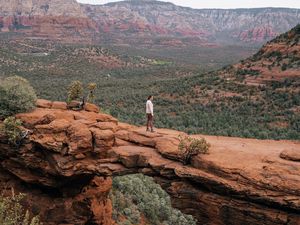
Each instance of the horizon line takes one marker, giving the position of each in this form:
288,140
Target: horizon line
263,7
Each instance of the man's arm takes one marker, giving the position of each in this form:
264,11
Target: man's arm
151,109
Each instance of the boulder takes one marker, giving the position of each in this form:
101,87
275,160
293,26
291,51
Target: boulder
168,147
91,108
103,140
46,119
56,126
123,135
291,155
42,103
79,138
59,105
73,104
52,136
106,126
34,117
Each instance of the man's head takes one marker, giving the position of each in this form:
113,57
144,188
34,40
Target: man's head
150,97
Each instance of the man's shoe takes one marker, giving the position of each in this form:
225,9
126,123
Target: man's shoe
152,131
147,130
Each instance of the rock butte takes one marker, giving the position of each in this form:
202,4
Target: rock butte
67,163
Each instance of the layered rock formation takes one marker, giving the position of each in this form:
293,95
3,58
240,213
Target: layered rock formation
51,19
66,164
143,22
139,20
277,60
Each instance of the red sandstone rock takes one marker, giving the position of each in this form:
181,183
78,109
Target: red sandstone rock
106,126
59,105
140,136
125,126
73,104
122,134
91,108
80,138
103,139
241,180
291,154
42,103
168,147
120,142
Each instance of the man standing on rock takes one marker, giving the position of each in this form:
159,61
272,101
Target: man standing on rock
149,112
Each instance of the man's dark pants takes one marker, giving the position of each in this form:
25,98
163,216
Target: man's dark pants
149,121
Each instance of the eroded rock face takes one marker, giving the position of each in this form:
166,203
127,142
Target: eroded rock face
142,22
66,164
46,19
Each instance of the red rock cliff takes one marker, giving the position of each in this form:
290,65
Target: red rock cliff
66,164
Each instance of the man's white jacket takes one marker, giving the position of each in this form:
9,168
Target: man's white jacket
149,107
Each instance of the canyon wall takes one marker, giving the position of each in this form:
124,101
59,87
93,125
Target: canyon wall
143,22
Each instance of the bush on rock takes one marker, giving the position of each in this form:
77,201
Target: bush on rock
16,96
190,147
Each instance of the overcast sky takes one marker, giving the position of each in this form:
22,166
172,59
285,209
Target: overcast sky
220,3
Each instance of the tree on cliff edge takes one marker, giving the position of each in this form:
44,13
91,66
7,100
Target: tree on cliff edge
16,96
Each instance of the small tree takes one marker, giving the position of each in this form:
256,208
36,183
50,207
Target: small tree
16,96
12,129
75,91
91,95
190,147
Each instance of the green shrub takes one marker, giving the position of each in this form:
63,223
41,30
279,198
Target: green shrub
16,96
75,91
12,212
136,195
190,147
284,67
251,72
12,129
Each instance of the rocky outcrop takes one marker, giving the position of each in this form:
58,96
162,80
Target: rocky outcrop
277,60
66,164
51,19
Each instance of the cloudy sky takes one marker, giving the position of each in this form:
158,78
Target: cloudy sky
220,3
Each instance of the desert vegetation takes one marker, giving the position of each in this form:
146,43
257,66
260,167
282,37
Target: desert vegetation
11,128
138,198
13,213
16,96
75,91
190,147
186,98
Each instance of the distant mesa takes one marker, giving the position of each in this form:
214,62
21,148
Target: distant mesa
142,21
